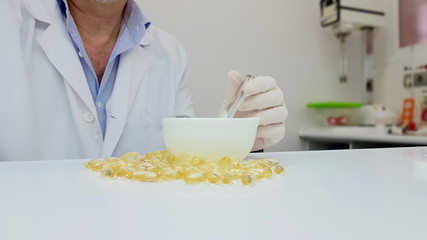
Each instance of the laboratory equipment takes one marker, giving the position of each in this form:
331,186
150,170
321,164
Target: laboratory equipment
345,16
408,112
327,114
370,115
228,109
424,109
420,67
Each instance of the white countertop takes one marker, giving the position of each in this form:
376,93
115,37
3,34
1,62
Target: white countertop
356,194
360,134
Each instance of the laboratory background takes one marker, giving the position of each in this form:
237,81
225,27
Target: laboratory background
285,39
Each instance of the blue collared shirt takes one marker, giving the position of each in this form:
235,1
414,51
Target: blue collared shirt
134,25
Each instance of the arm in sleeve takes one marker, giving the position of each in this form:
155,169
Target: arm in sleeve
184,106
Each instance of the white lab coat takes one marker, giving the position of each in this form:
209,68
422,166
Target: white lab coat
47,111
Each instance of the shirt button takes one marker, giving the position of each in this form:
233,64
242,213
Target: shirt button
80,54
100,105
89,118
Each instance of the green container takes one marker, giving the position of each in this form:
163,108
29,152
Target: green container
334,105
327,114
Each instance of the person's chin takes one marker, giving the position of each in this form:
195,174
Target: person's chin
105,1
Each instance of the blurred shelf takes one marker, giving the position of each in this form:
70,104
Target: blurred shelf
355,138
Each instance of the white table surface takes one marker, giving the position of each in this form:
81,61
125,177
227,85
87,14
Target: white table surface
356,194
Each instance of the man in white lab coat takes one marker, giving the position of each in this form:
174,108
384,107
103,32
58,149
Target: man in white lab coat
92,78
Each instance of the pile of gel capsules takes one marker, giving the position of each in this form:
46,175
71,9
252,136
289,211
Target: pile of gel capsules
163,166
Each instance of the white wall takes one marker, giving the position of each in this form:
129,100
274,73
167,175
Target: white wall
281,38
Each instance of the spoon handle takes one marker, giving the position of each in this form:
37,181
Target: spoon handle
229,110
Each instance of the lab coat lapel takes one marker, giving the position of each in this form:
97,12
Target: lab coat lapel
133,68
61,53
43,10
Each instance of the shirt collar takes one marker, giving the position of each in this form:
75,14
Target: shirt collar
133,17
135,21
61,5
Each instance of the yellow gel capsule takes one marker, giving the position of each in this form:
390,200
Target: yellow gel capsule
172,158
264,164
274,162
279,170
238,174
97,166
158,168
237,164
107,172
166,154
171,174
190,170
195,177
212,166
185,158
116,165
227,178
145,176
121,172
225,162
172,166
195,161
179,174
131,165
144,166
107,161
208,167
249,164
129,175
267,173
257,173
248,179
153,156
88,164
183,166
214,178
151,176
130,156
130,172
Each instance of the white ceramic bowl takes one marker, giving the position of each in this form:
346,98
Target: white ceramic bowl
210,138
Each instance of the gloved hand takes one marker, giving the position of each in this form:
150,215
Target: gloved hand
264,100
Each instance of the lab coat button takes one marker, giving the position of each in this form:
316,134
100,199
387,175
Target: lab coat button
89,118
99,105
80,54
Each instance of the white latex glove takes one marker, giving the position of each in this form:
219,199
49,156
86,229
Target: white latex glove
264,100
